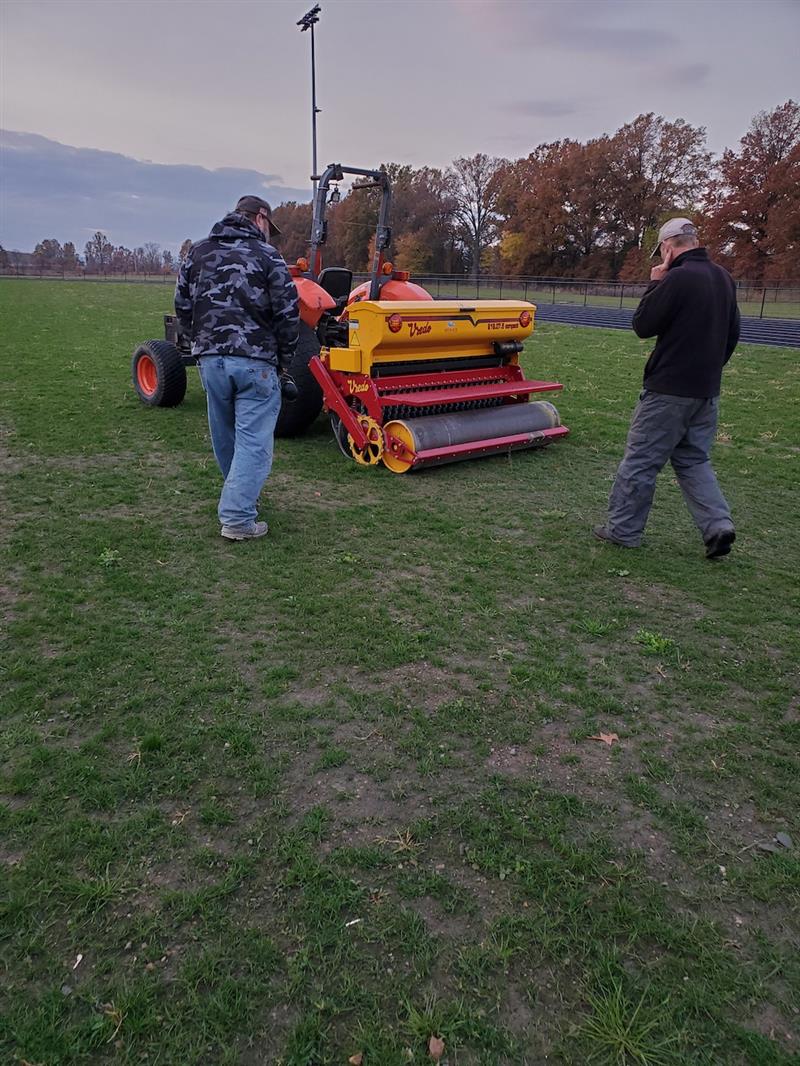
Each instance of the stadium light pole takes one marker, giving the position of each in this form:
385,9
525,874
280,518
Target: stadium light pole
307,22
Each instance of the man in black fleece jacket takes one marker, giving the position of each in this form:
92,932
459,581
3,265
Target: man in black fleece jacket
690,306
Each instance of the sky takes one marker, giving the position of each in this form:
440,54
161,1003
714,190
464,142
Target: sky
148,118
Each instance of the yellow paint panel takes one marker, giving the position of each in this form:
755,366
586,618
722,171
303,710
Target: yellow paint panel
346,359
434,330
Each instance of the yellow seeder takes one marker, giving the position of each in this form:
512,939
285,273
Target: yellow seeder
424,382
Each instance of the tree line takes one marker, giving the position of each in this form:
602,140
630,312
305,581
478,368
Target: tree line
100,256
586,210
568,209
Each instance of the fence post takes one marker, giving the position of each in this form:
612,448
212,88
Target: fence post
585,293
763,298
553,287
621,295
526,290
477,286
456,286
501,287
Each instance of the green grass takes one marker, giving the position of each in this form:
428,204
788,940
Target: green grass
336,790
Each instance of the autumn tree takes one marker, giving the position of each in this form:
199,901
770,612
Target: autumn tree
294,222
185,249
425,231
475,189
48,255
98,252
71,262
151,258
121,261
754,202
530,196
656,168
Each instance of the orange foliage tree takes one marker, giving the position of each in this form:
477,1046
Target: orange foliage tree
754,202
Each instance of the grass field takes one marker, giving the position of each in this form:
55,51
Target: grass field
338,791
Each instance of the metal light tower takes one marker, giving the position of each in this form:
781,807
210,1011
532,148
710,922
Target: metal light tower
307,22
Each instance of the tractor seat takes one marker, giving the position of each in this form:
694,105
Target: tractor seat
336,281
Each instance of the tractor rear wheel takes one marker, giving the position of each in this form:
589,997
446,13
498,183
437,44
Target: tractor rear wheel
297,415
159,375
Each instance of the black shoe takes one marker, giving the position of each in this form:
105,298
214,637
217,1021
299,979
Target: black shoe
720,544
602,534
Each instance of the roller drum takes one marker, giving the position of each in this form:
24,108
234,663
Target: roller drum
457,428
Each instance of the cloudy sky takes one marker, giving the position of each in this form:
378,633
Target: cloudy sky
147,118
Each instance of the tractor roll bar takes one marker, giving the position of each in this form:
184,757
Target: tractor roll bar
319,225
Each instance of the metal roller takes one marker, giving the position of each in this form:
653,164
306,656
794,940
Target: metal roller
438,439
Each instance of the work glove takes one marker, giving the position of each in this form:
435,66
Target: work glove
289,389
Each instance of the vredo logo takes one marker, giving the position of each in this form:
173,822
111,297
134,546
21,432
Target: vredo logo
415,329
357,386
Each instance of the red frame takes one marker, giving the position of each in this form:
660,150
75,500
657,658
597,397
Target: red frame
425,390
487,446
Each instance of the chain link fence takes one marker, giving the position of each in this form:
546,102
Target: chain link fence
756,300
780,300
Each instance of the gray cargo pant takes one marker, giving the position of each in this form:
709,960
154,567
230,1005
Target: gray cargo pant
680,429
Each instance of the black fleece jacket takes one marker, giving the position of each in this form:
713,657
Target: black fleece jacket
693,313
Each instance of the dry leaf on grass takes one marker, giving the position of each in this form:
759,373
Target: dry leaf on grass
607,738
436,1048
357,1059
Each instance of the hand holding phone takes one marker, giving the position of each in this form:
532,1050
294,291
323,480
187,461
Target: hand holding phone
667,255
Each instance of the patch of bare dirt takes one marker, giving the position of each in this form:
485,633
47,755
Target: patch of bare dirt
770,1022
366,811
514,761
735,826
661,597
321,495
438,921
494,898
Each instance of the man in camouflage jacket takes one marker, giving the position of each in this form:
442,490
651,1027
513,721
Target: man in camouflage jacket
236,301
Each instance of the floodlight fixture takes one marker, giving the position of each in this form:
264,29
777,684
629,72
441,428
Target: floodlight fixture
310,18
307,22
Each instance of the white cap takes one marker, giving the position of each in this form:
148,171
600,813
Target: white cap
676,227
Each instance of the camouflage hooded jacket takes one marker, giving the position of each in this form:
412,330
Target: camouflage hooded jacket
234,295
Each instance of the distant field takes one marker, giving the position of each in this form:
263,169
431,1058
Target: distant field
341,790
771,309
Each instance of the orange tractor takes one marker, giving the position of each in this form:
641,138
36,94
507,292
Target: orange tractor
408,381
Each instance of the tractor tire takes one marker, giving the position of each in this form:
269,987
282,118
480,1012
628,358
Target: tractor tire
297,415
159,375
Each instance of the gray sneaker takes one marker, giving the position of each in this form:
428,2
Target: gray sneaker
258,529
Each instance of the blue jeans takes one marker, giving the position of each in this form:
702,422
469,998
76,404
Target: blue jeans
244,400
681,430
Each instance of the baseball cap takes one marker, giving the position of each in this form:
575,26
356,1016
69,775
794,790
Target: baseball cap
252,205
676,227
